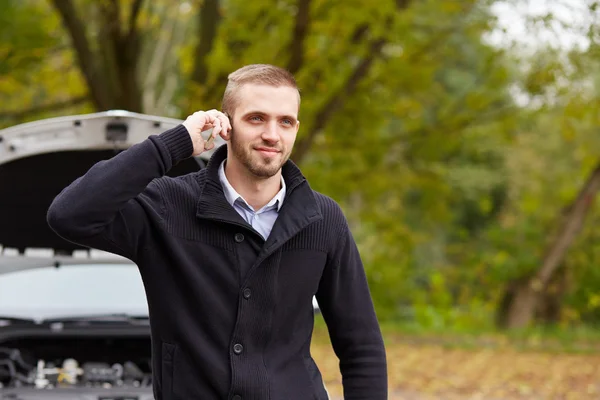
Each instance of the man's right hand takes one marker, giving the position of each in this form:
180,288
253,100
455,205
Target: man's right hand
202,121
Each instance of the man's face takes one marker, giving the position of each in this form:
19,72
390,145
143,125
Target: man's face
264,124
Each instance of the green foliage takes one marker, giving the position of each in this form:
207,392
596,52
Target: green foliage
36,65
454,160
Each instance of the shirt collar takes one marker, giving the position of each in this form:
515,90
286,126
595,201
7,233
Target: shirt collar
232,195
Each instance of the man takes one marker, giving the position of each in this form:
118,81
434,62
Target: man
232,255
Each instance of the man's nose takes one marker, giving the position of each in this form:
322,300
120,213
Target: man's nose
270,132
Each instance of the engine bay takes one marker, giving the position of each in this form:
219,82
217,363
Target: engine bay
98,363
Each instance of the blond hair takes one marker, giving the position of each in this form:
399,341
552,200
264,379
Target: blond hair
262,74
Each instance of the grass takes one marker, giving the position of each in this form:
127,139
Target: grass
541,363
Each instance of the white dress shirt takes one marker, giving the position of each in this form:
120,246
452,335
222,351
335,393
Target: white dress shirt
261,220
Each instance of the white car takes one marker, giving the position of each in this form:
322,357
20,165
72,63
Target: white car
73,321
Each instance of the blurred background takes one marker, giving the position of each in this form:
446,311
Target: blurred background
461,138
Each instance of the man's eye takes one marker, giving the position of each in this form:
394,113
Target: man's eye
256,118
287,122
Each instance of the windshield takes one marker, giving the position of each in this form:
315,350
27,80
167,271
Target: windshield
71,291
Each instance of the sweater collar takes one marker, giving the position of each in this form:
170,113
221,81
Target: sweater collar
232,195
299,209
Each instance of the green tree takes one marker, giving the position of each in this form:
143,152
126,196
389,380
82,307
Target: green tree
406,115
564,86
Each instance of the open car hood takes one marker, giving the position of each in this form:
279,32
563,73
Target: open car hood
39,159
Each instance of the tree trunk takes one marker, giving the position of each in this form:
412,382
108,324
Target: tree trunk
522,306
550,303
129,80
111,73
92,73
522,299
209,19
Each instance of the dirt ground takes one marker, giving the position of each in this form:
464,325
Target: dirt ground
430,371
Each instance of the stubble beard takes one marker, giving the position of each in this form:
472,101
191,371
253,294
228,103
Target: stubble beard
258,166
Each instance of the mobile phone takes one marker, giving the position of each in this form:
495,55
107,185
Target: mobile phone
207,136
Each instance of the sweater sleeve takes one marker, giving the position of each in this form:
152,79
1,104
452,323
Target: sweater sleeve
345,302
102,209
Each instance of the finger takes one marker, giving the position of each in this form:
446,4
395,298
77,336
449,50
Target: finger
200,114
225,133
212,114
224,123
217,127
202,119
228,120
226,126
220,125
210,117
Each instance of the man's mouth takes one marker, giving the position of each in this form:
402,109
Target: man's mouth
267,151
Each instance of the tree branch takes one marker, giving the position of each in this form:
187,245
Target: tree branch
85,57
166,95
108,44
521,305
323,116
19,114
359,33
326,112
209,19
135,11
569,228
114,10
361,70
335,102
157,63
409,138
296,48
120,48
